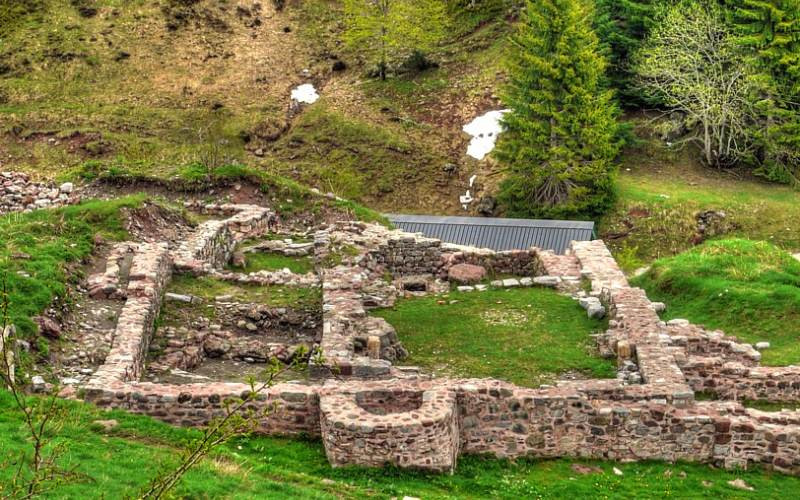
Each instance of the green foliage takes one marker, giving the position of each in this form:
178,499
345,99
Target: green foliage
691,63
384,31
37,248
622,26
560,140
746,288
527,336
118,462
769,30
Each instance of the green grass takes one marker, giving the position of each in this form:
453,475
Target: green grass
118,463
660,193
746,288
527,336
263,261
39,249
277,296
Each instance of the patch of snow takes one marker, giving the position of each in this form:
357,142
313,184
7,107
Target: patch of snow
472,180
305,93
484,131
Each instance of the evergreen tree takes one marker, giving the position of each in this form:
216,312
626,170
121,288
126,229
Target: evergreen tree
559,142
769,30
622,25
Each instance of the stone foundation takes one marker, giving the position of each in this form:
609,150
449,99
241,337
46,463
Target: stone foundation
370,412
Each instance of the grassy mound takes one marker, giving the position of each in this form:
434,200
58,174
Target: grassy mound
526,336
746,288
37,248
119,462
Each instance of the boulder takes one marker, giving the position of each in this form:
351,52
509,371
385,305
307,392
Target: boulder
466,274
49,327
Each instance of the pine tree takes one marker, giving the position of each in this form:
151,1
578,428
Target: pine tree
559,141
770,32
622,25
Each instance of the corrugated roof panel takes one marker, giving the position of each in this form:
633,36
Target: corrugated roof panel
497,234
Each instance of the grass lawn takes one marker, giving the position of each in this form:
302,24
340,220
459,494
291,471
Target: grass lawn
527,335
748,289
277,296
263,261
118,463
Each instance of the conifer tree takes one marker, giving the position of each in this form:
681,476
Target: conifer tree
559,142
622,25
769,30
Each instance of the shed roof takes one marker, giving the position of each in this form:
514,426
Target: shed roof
497,234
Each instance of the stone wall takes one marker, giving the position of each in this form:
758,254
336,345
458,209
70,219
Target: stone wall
18,193
411,421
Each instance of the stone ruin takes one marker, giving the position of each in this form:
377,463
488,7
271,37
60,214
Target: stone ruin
370,410
18,193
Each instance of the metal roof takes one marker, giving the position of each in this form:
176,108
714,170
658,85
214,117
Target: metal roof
497,234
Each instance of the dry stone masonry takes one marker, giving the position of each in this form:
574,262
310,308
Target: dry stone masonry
369,410
19,194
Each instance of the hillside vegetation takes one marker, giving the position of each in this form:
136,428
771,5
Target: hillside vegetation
748,289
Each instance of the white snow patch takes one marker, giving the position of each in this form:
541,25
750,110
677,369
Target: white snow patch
484,131
305,93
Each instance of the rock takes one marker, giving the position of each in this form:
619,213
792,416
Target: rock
49,327
496,284
216,347
466,289
107,425
659,307
481,288
466,274
70,381
617,471
176,297
38,384
740,484
66,188
510,283
487,206
596,311
586,469
526,282
339,66
239,260
548,281
762,345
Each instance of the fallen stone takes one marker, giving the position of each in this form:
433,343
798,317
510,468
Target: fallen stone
617,471
66,188
176,297
466,274
496,284
596,311
762,345
466,289
548,281
740,484
49,327
586,469
659,307
38,384
107,425
510,283
526,282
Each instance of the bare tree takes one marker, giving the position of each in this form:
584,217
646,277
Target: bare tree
691,63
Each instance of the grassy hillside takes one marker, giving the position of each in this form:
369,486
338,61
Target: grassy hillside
748,289
117,463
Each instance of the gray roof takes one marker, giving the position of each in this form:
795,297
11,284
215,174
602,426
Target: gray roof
497,234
